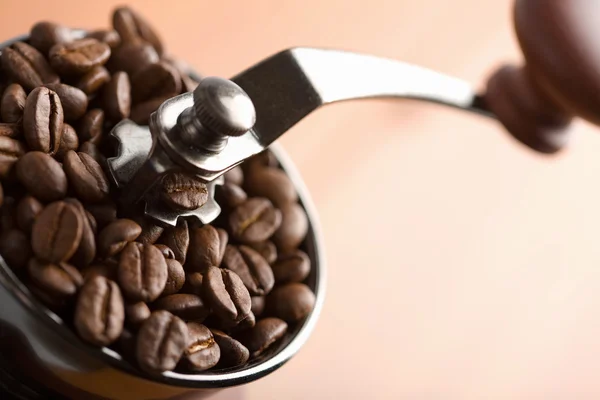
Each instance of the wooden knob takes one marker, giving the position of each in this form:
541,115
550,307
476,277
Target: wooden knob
560,40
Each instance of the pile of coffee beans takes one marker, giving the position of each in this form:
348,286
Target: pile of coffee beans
188,298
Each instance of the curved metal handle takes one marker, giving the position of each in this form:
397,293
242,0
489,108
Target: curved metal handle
289,85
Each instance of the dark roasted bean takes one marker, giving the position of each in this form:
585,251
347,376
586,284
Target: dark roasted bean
42,176
182,191
86,252
151,232
27,66
90,128
233,353
132,56
10,152
11,130
43,120
136,314
267,249
73,100
28,209
235,176
251,267
104,213
110,37
290,302
156,80
68,141
45,34
291,267
107,269
202,351
166,251
142,272
206,249
131,25
117,97
188,307
86,177
177,239
56,232
226,294
79,56
57,280
15,248
93,80
99,313
258,305
255,220
140,113
161,342
193,283
13,103
293,228
272,183
175,277
264,334
230,195
116,235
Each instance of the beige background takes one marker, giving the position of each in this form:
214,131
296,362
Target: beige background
462,266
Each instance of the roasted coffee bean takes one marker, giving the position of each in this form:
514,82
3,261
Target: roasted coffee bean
235,176
188,84
264,334
206,248
43,120
178,240
291,267
233,353
99,313
92,150
132,56
193,283
267,249
136,314
293,228
73,100
11,130
42,176
68,141
8,210
251,267
131,25
116,235
27,66
226,294
117,97
10,151
104,213
140,113
202,351
109,36
166,251
56,232
263,159
142,272
230,195
13,103
258,305
161,342
255,220
93,80
272,183
1,195
79,56
28,209
156,80
290,302
15,248
107,269
45,34
86,177
90,128
183,191
175,277
86,252
151,232
188,307
57,280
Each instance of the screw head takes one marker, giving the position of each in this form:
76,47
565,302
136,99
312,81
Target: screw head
223,107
